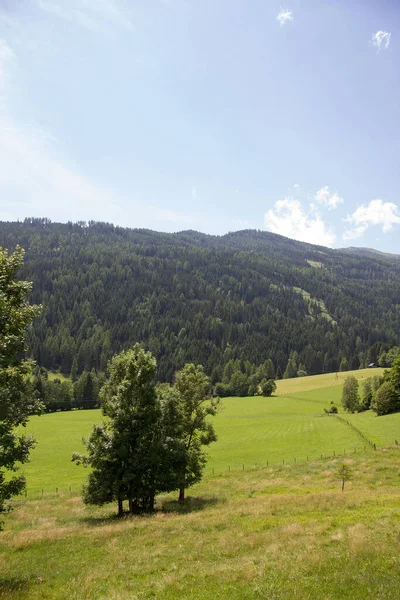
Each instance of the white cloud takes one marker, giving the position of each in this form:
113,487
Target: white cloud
289,218
95,15
284,16
376,212
381,39
327,198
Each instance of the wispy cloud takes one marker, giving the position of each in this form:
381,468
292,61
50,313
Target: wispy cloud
327,198
291,219
36,179
381,40
94,15
376,212
6,56
284,16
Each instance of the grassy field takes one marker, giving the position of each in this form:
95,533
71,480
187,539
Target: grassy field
280,531
250,430
284,532
328,380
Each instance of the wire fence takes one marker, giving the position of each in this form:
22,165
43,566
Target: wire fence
76,489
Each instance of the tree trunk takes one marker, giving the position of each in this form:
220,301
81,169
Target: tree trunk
120,508
181,498
130,506
342,485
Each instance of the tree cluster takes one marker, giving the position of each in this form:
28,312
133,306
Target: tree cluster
152,438
381,394
241,378
65,394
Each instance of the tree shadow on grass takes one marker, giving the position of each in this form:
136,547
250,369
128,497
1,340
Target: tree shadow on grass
103,520
191,504
13,585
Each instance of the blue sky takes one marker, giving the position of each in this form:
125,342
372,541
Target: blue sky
214,115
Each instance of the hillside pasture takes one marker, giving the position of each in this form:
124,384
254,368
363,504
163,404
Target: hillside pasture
278,532
327,380
250,431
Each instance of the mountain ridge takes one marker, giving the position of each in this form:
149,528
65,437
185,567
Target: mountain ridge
190,297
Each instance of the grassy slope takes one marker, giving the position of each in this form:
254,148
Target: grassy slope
250,430
278,533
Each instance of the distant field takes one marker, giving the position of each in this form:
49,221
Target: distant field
53,375
250,430
313,382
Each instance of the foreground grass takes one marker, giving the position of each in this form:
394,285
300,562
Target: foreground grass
278,533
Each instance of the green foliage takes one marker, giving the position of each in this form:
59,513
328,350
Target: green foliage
367,395
387,397
17,398
203,299
195,430
267,387
344,473
125,452
350,395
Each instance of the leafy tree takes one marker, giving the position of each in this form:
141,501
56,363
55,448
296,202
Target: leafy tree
196,406
239,384
350,395
344,473
385,400
387,397
17,398
367,395
126,452
85,395
267,388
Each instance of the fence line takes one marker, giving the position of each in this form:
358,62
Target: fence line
354,428
42,492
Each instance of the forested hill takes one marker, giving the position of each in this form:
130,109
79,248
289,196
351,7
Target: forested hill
248,295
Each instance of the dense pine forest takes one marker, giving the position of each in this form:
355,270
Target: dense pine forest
251,297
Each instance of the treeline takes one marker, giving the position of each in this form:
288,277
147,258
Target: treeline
58,394
241,378
248,296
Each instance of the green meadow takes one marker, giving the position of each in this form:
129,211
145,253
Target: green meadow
281,532
289,427
259,525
